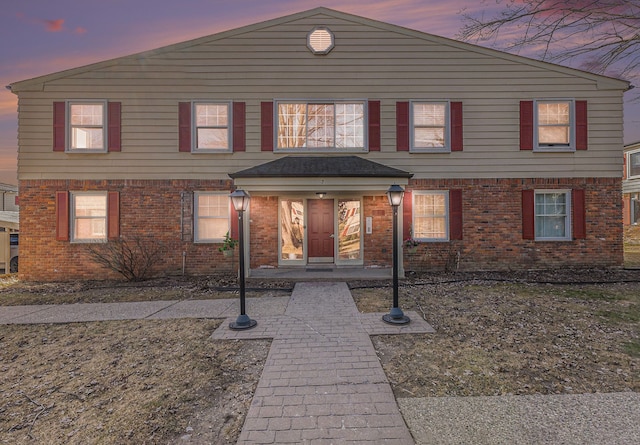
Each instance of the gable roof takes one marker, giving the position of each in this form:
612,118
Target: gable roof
603,82
315,166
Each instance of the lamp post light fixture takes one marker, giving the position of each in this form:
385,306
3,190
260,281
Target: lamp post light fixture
395,315
240,200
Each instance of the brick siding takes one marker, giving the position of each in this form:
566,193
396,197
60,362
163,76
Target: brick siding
492,228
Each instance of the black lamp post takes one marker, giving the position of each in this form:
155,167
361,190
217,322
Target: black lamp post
395,316
240,200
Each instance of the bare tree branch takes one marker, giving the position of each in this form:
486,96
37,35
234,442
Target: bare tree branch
601,36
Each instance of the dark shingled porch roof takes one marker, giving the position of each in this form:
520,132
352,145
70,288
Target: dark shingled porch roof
321,166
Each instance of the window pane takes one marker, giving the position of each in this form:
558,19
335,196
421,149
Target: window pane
90,138
213,206
212,115
429,137
349,230
321,125
551,215
430,216
90,228
634,164
86,114
554,123
292,125
349,125
554,113
429,114
212,211
90,217
91,205
214,138
212,228
553,135
292,229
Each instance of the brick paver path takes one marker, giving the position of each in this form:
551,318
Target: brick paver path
322,382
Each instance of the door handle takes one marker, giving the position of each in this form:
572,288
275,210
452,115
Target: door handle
332,236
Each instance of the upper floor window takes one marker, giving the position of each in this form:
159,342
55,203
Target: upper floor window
633,164
552,215
318,126
430,127
89,216
554,124
87,123
430,216
211,126
211,216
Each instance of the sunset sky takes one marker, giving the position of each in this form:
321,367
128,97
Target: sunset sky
44,36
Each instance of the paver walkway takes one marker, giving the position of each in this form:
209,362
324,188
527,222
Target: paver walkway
322,381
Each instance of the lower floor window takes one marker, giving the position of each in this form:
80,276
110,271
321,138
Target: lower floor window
89,215
211,216
430,216
552,215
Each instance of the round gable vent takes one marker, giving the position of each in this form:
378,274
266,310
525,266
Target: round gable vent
320,40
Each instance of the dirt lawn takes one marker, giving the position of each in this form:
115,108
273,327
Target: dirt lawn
167,382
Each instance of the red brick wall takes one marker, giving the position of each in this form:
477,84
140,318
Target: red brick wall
149,208
263,247
492,228
378,244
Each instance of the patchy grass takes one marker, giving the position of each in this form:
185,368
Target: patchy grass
512,338
124,382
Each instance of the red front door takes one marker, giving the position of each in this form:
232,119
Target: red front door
320,223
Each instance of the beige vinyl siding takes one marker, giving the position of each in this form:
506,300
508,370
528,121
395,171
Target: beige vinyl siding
370,61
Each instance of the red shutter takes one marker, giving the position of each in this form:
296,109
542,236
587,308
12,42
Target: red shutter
402,126
239,122
113,215
526,125
455,214
407,214
62,216
114,119
374,125
234,231
456,126
581,125
266,126
579,214
184,126
528,214
59,126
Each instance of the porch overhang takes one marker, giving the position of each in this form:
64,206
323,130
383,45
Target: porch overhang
315,173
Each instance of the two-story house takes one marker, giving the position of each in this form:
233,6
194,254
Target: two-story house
506,162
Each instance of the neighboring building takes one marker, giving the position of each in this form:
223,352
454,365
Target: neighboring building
9,202
631,189
507,162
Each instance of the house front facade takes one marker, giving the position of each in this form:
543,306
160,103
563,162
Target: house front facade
506,162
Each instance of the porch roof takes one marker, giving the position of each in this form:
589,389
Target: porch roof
325,166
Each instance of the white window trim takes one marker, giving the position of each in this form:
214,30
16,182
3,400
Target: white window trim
447,127
628,154
569,209
365,129
194,127
196,219
447,214
68,126
72,221
572,127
